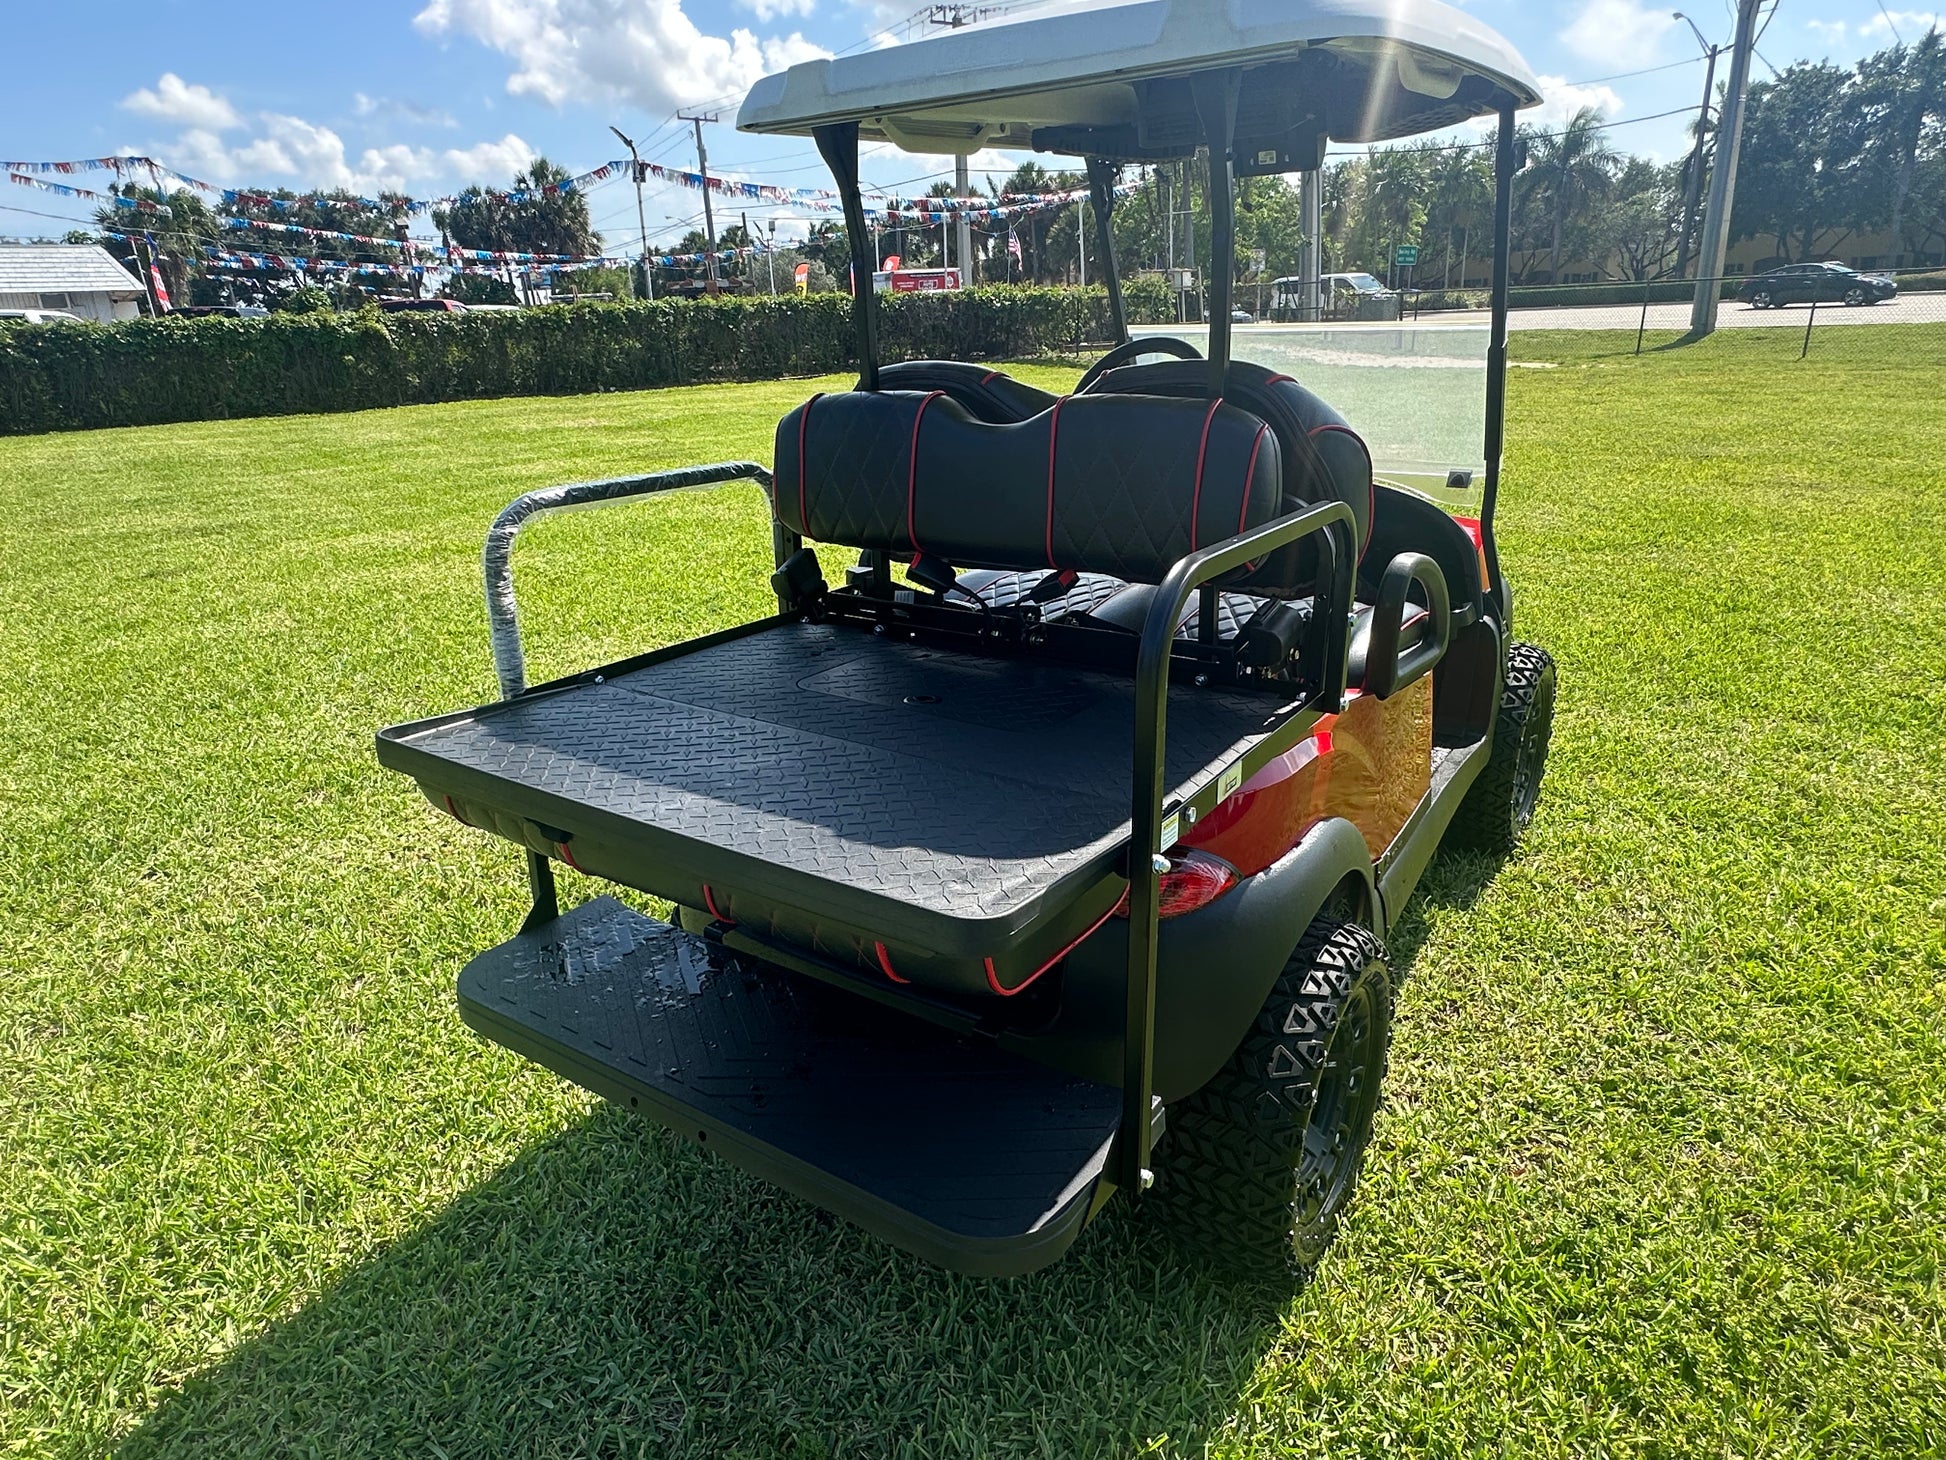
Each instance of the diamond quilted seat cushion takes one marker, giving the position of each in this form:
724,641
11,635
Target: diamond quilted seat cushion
1120,485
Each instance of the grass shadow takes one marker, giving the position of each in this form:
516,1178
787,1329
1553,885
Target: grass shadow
614,1292
1452,881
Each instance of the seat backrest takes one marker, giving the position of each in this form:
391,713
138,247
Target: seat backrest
1324,459
1122,485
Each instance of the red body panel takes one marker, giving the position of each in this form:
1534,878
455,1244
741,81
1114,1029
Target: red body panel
1371,765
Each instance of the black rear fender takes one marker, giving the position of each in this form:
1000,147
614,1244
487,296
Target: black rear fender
1214,967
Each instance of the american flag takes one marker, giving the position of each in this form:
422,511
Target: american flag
1013,244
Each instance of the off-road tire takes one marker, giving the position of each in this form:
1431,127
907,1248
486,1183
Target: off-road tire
1500,804
1258,1165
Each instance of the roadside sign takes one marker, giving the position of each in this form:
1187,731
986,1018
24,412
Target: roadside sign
1407,256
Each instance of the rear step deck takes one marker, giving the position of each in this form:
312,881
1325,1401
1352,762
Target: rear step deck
972,1158
943,800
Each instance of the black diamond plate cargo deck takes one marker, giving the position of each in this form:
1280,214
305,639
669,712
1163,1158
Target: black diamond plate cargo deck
944,799
973,1158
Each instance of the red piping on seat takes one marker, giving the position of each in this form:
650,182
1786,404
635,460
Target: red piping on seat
1281,380
885,964
991,376
1202,453
994,983
709,901
804,464
454,812
1053,435
568,856
1249,472
912,472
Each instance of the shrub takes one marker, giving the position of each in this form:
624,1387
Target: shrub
146,371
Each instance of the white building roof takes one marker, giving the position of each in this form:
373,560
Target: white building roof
64,268
1367,70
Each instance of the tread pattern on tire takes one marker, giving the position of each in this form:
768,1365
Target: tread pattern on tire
1228,1180
1486,820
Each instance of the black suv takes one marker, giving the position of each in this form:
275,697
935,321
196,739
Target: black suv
1826,283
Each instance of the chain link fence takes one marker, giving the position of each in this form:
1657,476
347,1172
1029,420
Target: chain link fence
1799,305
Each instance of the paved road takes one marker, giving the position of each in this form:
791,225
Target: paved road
1733,314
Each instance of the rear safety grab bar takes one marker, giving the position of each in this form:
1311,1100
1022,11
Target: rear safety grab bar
503,612
1387,671
497,558
1328,634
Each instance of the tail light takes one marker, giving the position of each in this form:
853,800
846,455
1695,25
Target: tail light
1194,880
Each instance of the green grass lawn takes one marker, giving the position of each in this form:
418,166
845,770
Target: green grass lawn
1663,1169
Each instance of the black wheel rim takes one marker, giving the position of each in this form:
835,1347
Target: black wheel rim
1345,1098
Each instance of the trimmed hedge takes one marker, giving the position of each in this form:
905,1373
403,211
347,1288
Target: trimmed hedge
148,371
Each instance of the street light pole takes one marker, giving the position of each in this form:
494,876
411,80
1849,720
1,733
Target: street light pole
644,281
1723,177
702,168
1692,194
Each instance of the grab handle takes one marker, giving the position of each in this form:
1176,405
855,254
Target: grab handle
1387,670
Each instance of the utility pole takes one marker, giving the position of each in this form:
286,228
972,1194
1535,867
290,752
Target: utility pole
1081,231
644,282
1694,192
1723,177
702,167
1310,195
963,234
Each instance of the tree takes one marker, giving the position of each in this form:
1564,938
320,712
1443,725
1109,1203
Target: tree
1459,187
1902,92
1639,222
1573,169
531,220
1800,173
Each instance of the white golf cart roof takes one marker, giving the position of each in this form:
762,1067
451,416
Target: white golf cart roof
1099,77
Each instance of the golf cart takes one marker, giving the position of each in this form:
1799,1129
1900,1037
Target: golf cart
1048,853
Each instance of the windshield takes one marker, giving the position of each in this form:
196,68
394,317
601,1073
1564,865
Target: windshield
1363,283
1417,394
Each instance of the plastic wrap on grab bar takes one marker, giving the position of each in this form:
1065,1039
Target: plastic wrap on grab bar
503,614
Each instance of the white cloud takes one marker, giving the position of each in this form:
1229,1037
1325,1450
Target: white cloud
646,52
768,10
290,151
389,106
174,100
1561,99
1909,23
1618,33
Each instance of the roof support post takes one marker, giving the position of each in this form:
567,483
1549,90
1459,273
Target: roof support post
1216,105
1101,192
838,145
1496,424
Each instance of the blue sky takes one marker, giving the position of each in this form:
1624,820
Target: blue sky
428,95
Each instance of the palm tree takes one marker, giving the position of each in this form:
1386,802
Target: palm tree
1575,167
1460,183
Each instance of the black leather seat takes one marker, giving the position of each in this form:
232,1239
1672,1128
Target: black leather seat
1115,485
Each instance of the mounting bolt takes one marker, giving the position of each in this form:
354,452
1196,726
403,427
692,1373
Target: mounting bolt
1189,816
1158,864
1202,680
1148,1178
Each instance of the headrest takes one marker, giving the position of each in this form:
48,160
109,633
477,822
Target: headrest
1122,485
989,394
1324,459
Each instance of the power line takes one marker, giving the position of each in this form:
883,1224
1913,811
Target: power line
1645,71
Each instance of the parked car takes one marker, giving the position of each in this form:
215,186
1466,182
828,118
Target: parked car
42,316
234,311
1826,283
1358,296
1242,316
422,306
